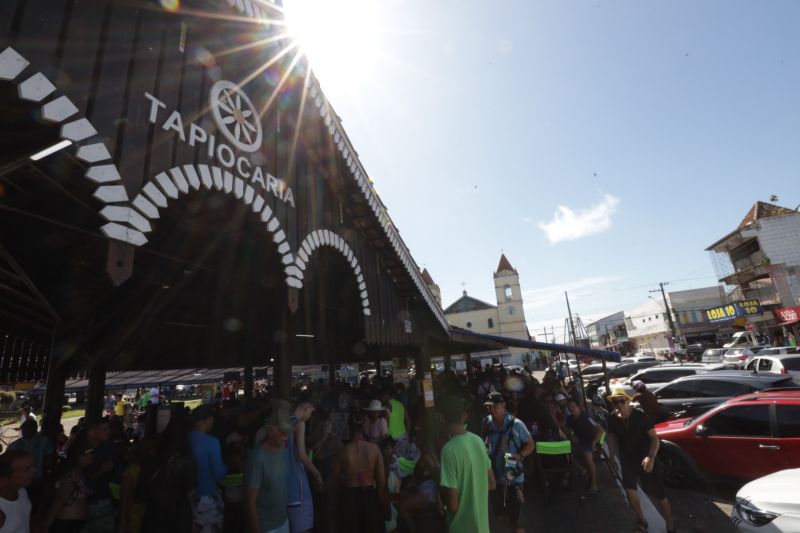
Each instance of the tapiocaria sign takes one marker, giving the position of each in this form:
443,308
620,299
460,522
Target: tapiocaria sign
239,122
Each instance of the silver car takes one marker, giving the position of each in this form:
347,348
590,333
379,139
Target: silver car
738,357
713,355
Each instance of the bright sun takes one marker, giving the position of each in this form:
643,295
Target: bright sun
339,37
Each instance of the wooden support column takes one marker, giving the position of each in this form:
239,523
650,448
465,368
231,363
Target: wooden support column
422,360
95,394
53,397
282,371
249,383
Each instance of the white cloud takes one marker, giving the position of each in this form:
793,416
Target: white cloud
578,289
568,225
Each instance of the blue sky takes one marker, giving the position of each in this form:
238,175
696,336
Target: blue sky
651,127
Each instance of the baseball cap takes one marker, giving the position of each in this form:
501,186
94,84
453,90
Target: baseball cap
494,398
559,397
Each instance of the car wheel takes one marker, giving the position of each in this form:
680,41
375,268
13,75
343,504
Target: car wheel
677,471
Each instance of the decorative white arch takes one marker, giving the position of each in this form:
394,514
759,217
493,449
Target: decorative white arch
170,184
37,88
324,237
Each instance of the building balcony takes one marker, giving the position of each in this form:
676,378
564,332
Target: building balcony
766,294
745,273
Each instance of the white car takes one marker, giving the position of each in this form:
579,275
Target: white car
780,362
639,358
770,504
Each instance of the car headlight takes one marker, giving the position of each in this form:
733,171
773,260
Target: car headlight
748,511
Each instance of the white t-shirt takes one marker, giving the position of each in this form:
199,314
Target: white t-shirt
18,513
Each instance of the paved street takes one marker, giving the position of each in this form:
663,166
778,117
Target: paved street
700,510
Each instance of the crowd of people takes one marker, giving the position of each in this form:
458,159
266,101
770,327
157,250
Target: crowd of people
340,458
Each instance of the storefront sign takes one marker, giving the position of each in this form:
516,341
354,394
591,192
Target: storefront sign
238,120
733,311
400,375
427,392
787,315
750,307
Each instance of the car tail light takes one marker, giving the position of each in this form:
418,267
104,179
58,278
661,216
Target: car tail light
783,370
742,358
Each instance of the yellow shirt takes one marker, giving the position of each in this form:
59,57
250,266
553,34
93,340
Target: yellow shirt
119,409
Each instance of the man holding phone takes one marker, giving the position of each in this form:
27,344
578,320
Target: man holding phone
631,433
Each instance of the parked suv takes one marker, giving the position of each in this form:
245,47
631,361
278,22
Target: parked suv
745,438
616,374
781,362
657,376
694,395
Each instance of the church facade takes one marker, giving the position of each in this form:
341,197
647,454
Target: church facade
506,318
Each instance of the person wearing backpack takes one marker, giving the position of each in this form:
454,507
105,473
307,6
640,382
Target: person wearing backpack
508,443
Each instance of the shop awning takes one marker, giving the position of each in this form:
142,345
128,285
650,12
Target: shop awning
460,334
148,378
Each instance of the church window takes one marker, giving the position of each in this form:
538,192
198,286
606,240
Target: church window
490,323
511,310
507,292
469,324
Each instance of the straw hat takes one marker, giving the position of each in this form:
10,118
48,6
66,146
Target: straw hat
619,392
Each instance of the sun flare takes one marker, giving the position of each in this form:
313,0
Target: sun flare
340,38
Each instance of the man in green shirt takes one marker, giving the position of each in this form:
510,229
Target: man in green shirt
466,476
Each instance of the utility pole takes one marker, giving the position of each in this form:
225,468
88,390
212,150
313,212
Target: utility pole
575,343
668,310
571,323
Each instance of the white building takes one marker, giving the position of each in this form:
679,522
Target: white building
609,333
648,327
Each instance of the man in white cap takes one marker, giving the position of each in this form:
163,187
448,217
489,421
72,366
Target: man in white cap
376,428
265,477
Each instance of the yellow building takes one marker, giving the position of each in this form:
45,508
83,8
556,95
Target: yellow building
506,319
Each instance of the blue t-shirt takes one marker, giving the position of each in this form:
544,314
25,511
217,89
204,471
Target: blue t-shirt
207,456
517,436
